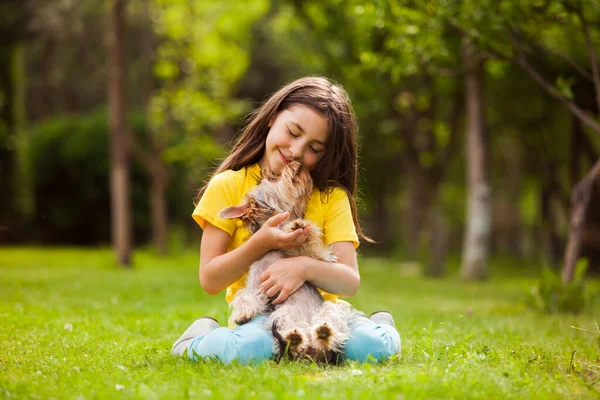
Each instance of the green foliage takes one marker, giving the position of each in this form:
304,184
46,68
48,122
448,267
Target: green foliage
70,166
529,204
203,54
552,295
77,326
549,31
23,190
564,86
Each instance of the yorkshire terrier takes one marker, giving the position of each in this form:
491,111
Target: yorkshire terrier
304,325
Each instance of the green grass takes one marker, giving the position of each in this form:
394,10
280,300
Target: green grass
73,325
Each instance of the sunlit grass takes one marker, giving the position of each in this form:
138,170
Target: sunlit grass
73,325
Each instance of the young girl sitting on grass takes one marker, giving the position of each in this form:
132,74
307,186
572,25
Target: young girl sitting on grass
310,121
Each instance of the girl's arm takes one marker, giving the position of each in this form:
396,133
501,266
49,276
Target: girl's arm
219,268
341,278
287,275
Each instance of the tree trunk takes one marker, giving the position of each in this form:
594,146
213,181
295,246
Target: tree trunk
381,227
120,142
439,243
17,200
412,217
575,157
549,235
154,163
158,206
580,201
45,100
419,201
24,184
8,154
477,233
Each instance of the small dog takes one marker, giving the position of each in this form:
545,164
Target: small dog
304,325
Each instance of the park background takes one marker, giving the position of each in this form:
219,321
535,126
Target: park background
479,162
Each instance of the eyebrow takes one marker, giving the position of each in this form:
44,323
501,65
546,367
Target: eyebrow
297,125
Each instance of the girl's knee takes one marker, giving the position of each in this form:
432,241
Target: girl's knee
372,342
248,343
210,345
248,346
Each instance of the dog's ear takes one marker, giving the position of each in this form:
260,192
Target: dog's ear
233,211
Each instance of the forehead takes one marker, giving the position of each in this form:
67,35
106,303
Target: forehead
313,124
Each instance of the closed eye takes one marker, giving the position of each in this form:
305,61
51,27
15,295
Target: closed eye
311,148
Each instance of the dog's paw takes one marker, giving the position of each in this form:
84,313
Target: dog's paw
296,224
295,342
321,337
244,311
240,318
246,305
323,332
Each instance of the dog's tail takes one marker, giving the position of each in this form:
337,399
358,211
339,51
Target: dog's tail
281,344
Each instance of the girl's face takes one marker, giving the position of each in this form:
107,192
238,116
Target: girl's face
297,133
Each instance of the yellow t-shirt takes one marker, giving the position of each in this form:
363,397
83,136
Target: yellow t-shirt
331,213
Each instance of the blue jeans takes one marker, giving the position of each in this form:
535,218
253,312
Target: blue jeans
251,343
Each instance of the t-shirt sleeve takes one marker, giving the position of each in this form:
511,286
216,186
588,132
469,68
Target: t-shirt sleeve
338,225
221,192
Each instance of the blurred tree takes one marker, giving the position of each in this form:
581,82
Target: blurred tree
151,155
399,67
478,223
71,173
201,52
516,31
66,62
202,55
120,140
584,190
16,205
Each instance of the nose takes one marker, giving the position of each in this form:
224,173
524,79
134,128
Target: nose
296,152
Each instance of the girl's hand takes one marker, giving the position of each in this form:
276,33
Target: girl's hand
271,237
284,276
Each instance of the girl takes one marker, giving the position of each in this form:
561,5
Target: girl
310,121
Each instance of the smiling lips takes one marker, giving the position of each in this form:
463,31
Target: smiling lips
285,160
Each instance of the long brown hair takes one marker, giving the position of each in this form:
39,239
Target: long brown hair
338,167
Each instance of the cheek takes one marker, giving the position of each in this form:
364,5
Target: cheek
269,141
274,140
311,160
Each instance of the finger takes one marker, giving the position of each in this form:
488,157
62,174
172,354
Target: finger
306,232
276,219
273,290
291,236
301,238
264,276
265,286
283,295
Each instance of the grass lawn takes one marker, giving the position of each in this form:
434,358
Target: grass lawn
72,325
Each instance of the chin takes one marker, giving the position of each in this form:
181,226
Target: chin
276,167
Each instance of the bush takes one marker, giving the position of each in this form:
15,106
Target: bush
70,161
552,295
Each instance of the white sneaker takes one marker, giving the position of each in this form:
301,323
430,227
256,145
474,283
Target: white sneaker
382,317
200,327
